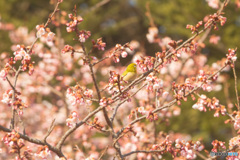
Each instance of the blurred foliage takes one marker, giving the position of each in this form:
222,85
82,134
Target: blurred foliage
125,20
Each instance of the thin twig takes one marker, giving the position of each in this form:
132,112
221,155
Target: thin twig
99,129
236,89
105,150
98,5
49,131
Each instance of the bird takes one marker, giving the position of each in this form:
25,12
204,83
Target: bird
130,73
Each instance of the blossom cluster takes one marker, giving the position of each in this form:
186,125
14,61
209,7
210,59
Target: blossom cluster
203,77
154,83
212,104
105,101
68,48
152,35
16,145
100,45
236,120
22,53
72,119
119,50
180,149
43,153
181,90
79,95
218,145
195,28
187,148
234,142
84,35
13,141
43,31
114,80
231,57
72,25
17,104
115,86
146,63
213,19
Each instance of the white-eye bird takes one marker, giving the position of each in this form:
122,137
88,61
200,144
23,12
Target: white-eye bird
130,73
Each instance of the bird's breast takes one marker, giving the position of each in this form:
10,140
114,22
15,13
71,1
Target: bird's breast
129,76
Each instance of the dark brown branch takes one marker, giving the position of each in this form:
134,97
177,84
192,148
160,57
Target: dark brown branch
35,141
96,85
13,97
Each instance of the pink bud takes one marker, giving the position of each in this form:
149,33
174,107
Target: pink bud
124,54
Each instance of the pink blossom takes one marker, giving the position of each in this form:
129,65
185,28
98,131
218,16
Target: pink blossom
152,33
27,57
213,3
141,110
124,54
69,29
237,121
7,97
19,54
83,35
82,38
44,154
50,36
3,74
100,44
235,141
72,120
41,31
231,56
214,39
92,157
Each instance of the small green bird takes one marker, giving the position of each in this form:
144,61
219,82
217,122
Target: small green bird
130,73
